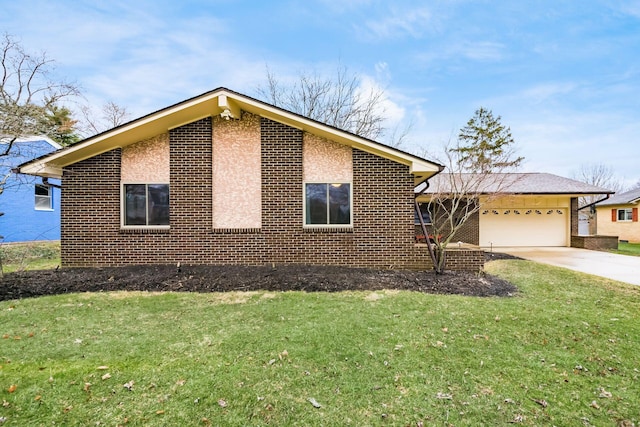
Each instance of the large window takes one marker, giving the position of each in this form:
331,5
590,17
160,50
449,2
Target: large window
43,198
146,205
625,214
327,204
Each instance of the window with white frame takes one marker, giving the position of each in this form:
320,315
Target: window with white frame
145,205
625,214
43,198
327,204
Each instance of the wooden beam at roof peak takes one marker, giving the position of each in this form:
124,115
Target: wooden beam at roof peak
230,110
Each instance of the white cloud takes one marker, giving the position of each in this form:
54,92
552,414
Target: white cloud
631,7
344,6
545,92
450,53
393,111
397,24
480,50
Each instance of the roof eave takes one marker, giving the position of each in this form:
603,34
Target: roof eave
229,104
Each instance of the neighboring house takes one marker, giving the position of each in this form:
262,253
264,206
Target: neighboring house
618,216
223,178
526,209
31,207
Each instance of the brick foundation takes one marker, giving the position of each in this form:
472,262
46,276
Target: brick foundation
382,236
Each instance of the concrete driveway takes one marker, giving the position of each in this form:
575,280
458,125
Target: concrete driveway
623,268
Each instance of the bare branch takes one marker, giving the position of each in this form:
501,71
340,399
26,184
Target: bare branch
599,175
29,101
340,100
476,164
111,115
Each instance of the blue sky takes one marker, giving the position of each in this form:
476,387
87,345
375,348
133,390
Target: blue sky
564,75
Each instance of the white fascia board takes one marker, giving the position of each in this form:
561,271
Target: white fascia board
40,168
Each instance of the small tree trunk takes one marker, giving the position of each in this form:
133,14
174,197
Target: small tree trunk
441,258
423,226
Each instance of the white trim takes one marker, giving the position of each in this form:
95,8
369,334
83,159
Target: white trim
48,197
626,210
209,104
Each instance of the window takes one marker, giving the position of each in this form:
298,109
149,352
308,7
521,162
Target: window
327,204
625,214
146,205
426,216
43,198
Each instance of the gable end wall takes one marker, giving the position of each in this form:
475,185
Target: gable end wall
382,236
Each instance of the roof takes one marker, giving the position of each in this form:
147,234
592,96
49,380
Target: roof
512,183
44,138
626,198
25,149
228,104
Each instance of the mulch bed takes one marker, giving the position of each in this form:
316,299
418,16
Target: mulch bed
160,278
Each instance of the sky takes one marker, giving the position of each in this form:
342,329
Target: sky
563,75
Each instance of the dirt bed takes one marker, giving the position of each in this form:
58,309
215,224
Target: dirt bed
241,278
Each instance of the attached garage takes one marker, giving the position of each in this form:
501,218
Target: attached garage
524,227
528,209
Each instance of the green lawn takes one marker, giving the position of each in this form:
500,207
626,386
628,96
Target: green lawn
626,248
562,352
29,256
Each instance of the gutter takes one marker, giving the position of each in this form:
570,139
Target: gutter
45,180
594,203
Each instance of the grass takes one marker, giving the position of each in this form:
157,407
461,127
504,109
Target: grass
626,248
29,256
562,352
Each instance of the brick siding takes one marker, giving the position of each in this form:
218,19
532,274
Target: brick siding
574,216
595,243
382,236
469,232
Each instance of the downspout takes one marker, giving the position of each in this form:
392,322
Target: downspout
46,183
423,226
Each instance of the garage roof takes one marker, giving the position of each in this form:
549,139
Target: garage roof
511,183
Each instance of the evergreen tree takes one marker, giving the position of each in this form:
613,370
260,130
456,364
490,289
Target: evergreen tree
485,144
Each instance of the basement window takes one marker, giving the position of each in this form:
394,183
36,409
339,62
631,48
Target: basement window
145,205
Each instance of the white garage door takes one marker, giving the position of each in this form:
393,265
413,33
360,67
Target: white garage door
524,227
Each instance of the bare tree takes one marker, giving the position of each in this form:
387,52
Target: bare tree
341,100
29,99
476,165
111,115
600,175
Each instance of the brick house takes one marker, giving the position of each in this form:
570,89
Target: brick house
223,178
